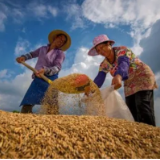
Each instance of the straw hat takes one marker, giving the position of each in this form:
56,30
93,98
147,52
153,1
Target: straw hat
52,35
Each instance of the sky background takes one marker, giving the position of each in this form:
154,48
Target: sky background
25,25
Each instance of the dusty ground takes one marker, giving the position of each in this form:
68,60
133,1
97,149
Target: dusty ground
58,136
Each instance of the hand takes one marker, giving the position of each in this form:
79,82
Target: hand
40,72
87,90
20,59
87,96
117,81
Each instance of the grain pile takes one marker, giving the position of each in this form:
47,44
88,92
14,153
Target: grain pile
58,136
71,86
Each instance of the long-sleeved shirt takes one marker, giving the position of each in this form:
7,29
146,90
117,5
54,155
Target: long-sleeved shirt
51,61
136,75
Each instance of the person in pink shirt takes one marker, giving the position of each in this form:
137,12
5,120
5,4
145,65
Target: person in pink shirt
49,63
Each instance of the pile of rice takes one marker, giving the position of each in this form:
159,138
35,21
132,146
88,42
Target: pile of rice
72,137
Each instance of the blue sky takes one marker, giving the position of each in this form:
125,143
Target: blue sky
24,26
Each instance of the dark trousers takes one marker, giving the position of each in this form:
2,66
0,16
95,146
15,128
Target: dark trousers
27,109
141,105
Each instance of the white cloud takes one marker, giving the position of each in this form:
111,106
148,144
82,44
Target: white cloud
18,12
12,92
3,17
21,14
18,15
17,85
22,47
53,11
140,15
110,25
122,12
83,64
74,13
9,102
41,10
3,73
136,48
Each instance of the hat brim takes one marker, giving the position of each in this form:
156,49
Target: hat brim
52,35
93,52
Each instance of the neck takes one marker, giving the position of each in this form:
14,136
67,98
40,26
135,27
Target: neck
52,46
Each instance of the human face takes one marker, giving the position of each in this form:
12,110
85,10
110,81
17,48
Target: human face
59,41
104,49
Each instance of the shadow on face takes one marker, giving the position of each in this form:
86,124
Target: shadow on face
103,48
60,40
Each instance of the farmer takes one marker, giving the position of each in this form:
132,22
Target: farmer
123,65
50,59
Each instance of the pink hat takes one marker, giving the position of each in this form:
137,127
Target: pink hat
97,40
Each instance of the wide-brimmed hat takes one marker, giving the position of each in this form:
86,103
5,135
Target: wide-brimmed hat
97,40
53,34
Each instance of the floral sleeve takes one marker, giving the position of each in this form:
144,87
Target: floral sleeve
104,66
124,58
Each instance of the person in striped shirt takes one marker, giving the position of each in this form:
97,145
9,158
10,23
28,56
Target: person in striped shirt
49,63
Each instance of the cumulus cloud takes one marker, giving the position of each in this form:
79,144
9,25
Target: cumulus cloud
41,10
140,15
22,47
74,13
3,16
106,11
21,12
18,15
17,85
5,74
12,91
52,10
83,63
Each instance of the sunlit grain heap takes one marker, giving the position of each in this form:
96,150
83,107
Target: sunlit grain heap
58,136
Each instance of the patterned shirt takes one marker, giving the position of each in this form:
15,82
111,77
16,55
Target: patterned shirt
137,76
